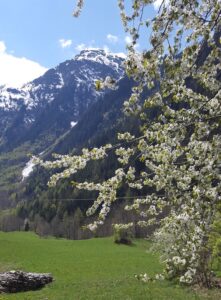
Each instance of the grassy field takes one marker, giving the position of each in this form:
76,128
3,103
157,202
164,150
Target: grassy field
89,269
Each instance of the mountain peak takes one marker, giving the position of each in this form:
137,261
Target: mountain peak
100,56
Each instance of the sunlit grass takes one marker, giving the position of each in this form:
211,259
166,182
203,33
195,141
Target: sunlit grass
88,269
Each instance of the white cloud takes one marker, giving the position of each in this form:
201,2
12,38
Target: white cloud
65,43
157,3
81,47
128,40
2,47
106,48
113,39
15,71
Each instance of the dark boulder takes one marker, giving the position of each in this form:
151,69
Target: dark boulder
19,281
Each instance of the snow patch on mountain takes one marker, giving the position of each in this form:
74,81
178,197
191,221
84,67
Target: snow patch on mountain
73,123
61,83
29,167
101,56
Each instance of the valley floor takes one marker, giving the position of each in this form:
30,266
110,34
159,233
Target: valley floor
89,269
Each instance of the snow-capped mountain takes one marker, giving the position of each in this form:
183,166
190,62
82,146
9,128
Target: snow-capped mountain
84,69
109,59
65,91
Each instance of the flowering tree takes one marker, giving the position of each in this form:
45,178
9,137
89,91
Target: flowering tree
180,146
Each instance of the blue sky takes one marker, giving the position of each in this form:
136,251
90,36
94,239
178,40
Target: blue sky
39,34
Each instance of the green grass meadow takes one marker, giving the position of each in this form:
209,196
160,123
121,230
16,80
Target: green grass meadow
89,269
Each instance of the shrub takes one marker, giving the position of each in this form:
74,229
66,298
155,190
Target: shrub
123,234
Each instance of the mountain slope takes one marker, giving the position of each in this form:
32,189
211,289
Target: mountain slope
97,126
34,117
